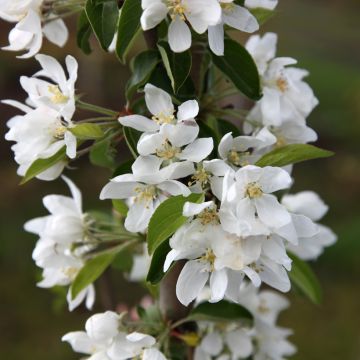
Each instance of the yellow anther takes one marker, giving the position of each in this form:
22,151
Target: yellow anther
280,141
167,151
200,176
58,97
177,9
282,84
209,216
227,6
209,257
238,158
145,194
70,272
59,132
163,119
263,308
253,191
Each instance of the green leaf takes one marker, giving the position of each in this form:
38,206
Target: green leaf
132,137
292,154
220,311
238,65
156,271
87,131
305,280
142,67
103,17
40,165
177,65
91,271
83,33
167,219
103,154
129,25
120,207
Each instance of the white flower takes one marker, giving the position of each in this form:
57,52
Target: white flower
312,240
248,206
147,187
286,97
245,150
58,231
27,35
40,134
59,94
234,16
141,265
162,109
265,4
199,13
100,332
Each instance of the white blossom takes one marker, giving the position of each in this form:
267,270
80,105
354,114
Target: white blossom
199,13
265,4
32,25
57,233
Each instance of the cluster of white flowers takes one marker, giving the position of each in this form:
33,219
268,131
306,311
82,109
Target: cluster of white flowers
235,341
202,15
33,21
104,340
43,130
61,244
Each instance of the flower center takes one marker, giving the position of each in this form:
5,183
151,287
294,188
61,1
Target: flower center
59,132
282,84
70,272
176,9
167,151
263,308
228,7
254,191
200,176
237,158
58,97
209,257
163,118
209,216
145,194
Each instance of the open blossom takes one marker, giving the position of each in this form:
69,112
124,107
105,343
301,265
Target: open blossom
235,16
59,92
103,340
311,244
57,233
146,188
199,13
27,35
248,206
286,97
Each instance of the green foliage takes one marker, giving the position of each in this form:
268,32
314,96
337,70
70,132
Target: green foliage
262,15
142,67
40,165
103,17
238,65
305,280
132,137
177,65
120,207
102,154
156,272
87,131
83,33
292,154
220,311
128,27
167,219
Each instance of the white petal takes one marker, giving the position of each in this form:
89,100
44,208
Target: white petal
198,150
158,101
103,326
216,39
75,193
138,217
139,123
118,190
188,110
56,32
192,209
191,281
70,142
153,15
179,36
174,188
79,341
153,354
241,19
218,285
273,179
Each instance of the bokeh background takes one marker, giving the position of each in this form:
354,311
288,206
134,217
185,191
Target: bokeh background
324,35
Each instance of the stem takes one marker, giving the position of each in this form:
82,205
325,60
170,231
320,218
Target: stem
98,109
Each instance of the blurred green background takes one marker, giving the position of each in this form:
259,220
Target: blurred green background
324,35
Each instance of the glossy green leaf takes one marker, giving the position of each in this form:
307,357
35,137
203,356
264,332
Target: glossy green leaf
167,219
40,165
220,311
83,33
132,137
142,68
103,17
87,131
292,154
305,280
103,154
156,272
177,65
128,27
238,65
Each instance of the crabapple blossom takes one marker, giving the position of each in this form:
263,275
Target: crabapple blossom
200,14
66,225
32,25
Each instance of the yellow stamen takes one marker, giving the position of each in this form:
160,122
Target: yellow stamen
253,191
163,119
177,9
282,84
200,176
58,97
145,194
59,132
236,157
167,151
209,257
227,6
209,216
